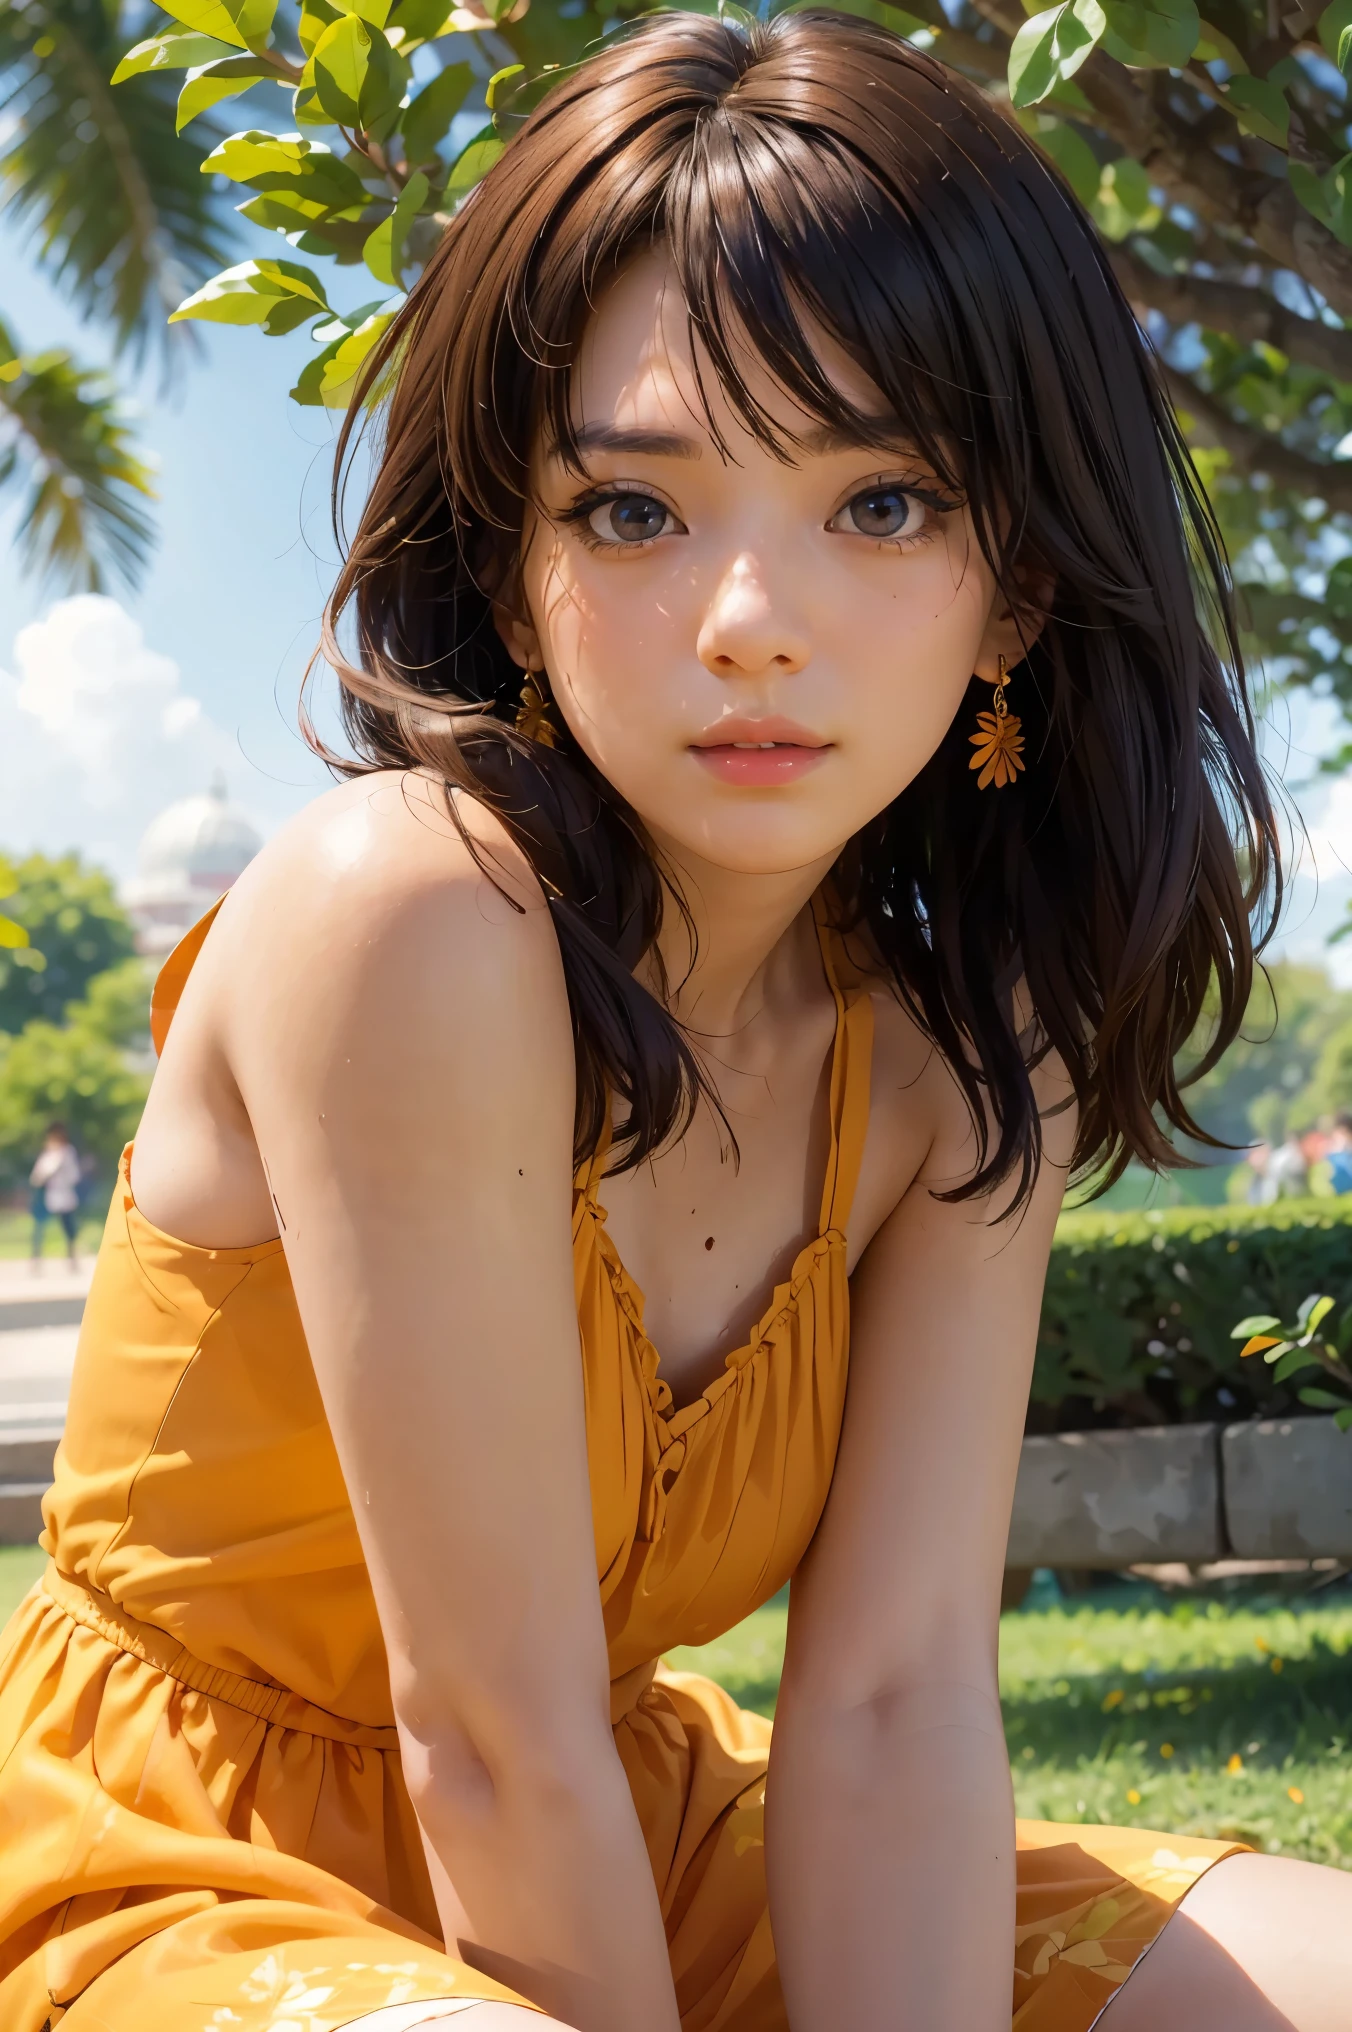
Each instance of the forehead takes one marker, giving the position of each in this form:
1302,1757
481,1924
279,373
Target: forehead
640,367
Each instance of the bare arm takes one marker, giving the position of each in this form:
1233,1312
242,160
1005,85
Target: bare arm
401,1040
890,1822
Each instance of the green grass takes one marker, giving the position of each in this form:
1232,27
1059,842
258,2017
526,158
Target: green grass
1128,1708
20,1566
1096,1691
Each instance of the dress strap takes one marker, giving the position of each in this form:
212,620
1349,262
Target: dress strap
172,976
851,1069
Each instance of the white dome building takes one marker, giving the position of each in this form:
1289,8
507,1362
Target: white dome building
191,854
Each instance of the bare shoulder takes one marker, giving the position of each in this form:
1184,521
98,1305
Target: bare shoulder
376,922
379,860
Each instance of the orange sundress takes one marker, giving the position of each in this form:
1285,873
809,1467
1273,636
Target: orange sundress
203,1821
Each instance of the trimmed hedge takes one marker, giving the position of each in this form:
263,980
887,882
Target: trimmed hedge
1139,1308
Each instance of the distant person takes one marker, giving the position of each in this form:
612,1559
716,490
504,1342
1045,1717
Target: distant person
1288,1171
54,1183
1338,1156
1262,1187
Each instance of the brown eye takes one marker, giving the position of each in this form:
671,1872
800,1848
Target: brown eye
630,518
881,512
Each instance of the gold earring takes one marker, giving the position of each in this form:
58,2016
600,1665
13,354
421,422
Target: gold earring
532,717
998,742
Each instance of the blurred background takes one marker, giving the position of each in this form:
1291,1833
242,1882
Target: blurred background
1177,1637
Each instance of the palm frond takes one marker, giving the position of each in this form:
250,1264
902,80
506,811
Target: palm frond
65,444
121,215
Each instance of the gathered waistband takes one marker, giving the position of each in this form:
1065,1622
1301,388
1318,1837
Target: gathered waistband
264,1699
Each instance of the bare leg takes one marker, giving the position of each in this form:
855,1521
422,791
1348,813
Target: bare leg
1260,1944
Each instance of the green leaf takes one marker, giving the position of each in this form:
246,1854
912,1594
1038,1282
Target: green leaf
1309,188
384,250
278,295
174,51
1051,47
1260,108
315,17
427,120
283,211
207,86
377,12
1216,47
1343,1420
500,78
1319,1310
421,20
1070,152
337,69
1337,191
1032,59
242,23
1331,24
272,162
355,75
1160,35
1256,1323
473,164
1323,1400
1292,1362
328,379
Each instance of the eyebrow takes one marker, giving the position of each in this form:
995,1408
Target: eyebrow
820,440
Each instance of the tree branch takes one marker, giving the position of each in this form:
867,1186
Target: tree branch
1255,451
1248,315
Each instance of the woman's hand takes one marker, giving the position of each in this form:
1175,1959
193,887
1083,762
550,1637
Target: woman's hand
399,1032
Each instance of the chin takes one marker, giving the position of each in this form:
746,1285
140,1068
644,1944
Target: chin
762,842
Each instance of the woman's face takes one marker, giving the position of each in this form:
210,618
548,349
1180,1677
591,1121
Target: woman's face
758,656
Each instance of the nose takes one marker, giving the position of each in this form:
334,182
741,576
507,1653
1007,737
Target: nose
749,629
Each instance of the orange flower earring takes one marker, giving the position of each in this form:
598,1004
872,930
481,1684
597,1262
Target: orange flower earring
532,718
998,743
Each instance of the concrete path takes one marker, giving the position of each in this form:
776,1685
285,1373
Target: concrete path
40,1312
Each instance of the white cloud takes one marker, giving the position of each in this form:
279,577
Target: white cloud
97,735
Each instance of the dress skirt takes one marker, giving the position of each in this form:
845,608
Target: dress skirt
183,1850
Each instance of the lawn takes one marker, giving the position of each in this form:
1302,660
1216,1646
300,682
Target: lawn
1230,1717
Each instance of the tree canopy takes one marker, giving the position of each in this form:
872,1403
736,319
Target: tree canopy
1215,154
75,927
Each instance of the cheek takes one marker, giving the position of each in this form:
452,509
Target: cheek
611,634
911,647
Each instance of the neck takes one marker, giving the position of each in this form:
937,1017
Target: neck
717,964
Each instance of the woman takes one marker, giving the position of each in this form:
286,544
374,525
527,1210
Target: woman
54,1189
805,792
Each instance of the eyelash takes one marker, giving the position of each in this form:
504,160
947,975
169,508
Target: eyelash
578,517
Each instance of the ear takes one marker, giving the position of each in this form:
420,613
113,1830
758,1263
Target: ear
518,636
1012,630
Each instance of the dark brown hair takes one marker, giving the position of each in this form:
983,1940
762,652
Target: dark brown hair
819,169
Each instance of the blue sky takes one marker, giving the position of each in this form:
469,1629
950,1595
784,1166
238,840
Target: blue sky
108,711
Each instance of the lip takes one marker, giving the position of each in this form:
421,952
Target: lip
735,751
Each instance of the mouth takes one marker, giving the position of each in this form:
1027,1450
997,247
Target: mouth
759,754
